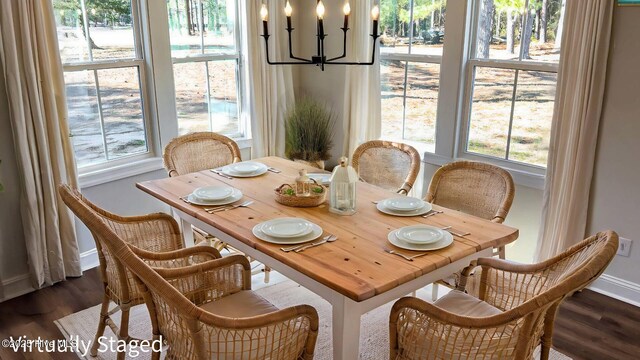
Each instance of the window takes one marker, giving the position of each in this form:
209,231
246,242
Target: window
511,82
411,53
206,65
103,71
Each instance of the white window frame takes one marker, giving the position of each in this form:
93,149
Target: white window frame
158,92
213,57
535,173
409,58
95,65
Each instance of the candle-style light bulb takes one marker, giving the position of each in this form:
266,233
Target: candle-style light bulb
347,9
264,13
320,10
375,13
287,9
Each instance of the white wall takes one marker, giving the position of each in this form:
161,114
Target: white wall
615,193
327,86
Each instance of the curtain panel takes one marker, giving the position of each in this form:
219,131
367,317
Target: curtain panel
362,83
574,133
37,106
270,89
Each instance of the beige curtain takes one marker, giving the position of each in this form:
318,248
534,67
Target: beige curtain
581,83
270,92
362,83
36,97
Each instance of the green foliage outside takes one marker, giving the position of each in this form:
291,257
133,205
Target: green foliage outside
309,131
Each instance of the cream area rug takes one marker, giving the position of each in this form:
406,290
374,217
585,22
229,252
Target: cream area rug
374,337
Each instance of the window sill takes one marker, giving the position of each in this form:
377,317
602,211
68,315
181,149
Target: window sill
133,168
114,173
520,177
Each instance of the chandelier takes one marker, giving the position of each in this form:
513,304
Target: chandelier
320,58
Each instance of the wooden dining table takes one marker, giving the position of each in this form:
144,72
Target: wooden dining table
354,274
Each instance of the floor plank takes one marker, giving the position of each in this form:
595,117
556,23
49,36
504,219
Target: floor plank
589,325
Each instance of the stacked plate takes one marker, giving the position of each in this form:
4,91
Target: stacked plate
214,195
245,169
404,206
420,238
287,231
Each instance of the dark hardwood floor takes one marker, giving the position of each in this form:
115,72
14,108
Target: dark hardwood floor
589,325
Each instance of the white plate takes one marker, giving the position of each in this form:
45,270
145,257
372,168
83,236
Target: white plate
420,234
405,203
320,178
315,233
286,227
447,240
425,209
235,196
213,193
246,167
259,169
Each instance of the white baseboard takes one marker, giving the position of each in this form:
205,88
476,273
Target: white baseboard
21,284
16,286
89,259
617,288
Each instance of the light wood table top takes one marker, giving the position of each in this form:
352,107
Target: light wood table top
356,265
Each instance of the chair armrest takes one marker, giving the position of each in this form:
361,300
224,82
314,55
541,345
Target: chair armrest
279,334
177,258
502,283
418,329
210,280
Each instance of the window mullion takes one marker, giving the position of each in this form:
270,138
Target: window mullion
137,28
404,99
101,115
513,106
210,117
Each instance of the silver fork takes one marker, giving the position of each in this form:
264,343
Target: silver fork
293,248
406,257
219,173
274,170
432,212
244,204
448,228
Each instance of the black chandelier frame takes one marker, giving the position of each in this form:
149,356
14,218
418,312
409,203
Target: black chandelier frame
320,59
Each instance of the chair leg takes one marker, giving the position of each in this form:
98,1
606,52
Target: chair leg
434,292
155,355
104,315
547,335
267,272
124,328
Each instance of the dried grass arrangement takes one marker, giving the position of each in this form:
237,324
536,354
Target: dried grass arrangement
309,128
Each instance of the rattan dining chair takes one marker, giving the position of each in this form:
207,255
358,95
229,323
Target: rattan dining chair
202,151
389,165
207,310
475,188
513,313
155,237
199,151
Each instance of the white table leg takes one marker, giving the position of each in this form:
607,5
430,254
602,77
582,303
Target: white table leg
187,233
346,330
434,292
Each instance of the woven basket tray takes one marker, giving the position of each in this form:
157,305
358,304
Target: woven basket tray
301,201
